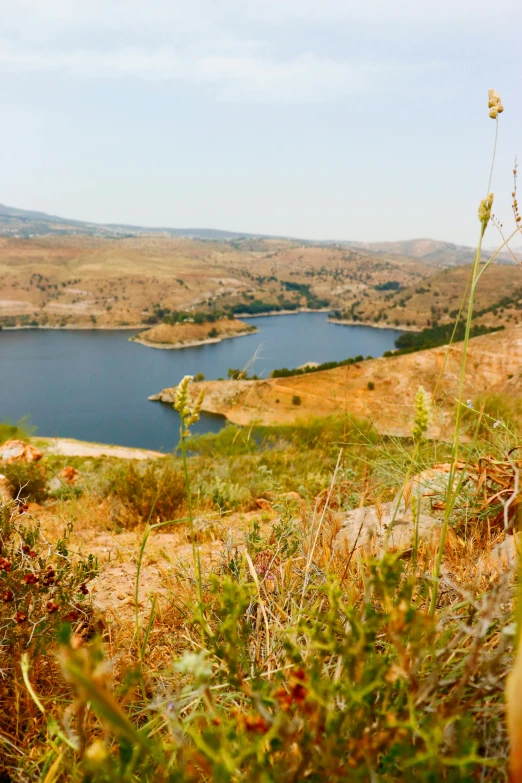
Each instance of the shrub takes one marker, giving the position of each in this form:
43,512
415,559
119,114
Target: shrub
229,496
296,399
20,431
371,386
156,492
28,479
40,587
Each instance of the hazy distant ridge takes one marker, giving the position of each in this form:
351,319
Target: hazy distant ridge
27,223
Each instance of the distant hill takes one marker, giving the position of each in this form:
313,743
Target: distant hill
429,251
27,223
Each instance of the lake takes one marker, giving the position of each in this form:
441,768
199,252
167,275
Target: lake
93,385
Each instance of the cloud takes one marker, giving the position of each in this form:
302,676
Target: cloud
248,50
303,78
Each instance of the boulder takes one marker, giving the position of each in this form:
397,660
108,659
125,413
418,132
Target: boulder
18,451
6,490
370,529
68,475
431,486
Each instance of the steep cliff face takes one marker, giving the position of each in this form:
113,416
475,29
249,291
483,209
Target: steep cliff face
494,366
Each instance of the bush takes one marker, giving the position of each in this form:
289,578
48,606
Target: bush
296,400
156,492
39,588
20,431
371,386
28,479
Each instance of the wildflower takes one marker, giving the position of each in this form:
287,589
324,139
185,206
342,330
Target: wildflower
30,579
494,104
422,413
497,424
484,210
469,404
84,590
51,607
21,617
195,663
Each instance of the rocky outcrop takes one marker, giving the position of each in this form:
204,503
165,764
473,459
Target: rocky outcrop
18,451
387,526
68,475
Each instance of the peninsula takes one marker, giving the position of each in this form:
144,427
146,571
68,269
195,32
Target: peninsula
188,333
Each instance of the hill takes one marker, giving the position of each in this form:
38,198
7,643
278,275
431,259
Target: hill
438,299
87,281
430,251
27,223
382,390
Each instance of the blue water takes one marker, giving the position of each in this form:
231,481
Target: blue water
94,385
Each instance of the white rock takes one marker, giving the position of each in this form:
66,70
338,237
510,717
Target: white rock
370,529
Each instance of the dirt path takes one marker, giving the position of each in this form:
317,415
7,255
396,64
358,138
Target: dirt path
76,448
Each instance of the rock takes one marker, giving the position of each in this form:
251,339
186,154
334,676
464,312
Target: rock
431,486
18,451
6,490
369,529
69,475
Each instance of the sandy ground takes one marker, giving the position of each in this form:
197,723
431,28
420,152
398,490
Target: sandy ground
75,448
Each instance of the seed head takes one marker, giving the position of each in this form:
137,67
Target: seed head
494,104
422,413
189,415
484,210
181,396
194,415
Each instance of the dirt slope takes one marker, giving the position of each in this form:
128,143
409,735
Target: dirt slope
494,365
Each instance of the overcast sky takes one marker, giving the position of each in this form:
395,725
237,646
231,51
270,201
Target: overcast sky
320,119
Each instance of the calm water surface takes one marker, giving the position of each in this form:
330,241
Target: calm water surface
94,385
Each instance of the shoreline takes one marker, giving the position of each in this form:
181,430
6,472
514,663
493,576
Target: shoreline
282,312
374,326
74,328
191,343
70,447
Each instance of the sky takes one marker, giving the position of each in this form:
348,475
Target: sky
320,119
